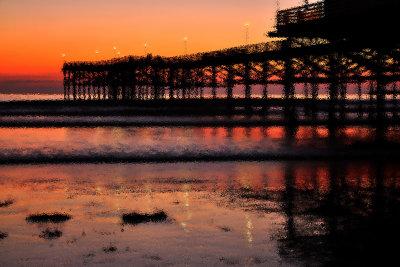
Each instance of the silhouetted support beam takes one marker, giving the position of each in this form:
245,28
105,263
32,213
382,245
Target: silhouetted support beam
359,90
371,100
334,83
84,85
74,78
265,68
111,85
394,90
343,96
163,82
214,81
65,84
314,88
247,80
334,70
306,96
89,82
132,84
343,91
184,82
83,89
394,100
114,85
98,85
79,77
359,93
229,82
381,85
104,84
93,85
122,84
69,85
334,78
156,82
306,90
380,82
288,73
171,82
201,83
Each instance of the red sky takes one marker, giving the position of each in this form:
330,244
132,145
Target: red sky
35,33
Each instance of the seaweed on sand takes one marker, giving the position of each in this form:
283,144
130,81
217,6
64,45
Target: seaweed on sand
48,218
50,234
3,235
137,218
6,203
110,249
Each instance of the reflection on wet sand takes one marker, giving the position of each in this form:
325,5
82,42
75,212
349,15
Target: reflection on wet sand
246,213
157,144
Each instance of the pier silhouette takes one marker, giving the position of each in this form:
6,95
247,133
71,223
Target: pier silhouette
333,43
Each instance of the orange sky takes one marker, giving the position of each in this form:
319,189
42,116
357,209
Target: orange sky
34,33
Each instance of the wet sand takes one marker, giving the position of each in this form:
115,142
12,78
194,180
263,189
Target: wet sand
211,189
219,214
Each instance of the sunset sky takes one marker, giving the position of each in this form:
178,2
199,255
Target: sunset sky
35,33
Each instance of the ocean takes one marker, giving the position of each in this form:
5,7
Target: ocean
235,190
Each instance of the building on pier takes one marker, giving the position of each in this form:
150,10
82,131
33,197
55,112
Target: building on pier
354,20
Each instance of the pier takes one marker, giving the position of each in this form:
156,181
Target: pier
311,54
288,63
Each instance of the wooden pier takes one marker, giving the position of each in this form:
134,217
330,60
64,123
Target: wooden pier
285,63
304,58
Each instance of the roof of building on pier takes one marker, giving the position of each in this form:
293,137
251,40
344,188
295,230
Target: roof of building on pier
333,19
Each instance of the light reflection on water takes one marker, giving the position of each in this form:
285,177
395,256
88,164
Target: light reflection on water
30,97
246,213
160,142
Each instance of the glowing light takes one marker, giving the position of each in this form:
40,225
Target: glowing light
247,25
249,229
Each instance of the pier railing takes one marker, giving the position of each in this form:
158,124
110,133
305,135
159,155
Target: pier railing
196,57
